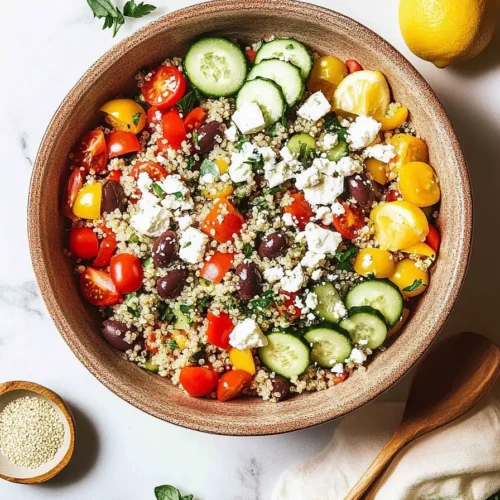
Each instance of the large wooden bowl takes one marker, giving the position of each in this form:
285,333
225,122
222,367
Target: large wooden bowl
325,32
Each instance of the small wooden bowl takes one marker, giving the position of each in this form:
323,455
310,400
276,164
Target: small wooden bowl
9,391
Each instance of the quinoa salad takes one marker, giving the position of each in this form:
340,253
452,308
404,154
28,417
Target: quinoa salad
255,220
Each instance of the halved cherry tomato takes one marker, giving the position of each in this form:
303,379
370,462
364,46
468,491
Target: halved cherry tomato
88,201
433,238
98,288
223,221
219,328
83,243
195,119
198,381
232,383
127,272
288,308
353,66
216,268
154,170
393,195
348,223
125,114
115,175
91,152
300,209
250,53
326,75
174,132
73,186
106,250
165,87
121,143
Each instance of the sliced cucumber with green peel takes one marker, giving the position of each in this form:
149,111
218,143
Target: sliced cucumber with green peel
294,145
328,346
380,294
366,327
285,354
267,95
216,66
182,321
151,367
287,49
338,151
284,74
330,306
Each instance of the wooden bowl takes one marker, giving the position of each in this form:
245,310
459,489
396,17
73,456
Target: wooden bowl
325,32
10,391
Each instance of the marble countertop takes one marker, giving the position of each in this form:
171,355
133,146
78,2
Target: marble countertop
121,452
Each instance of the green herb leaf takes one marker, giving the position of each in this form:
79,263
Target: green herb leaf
334,126
414,286
195,358
185,309
284,120
178,195
272,130
248,250
131,9
257,163
102,8
209,167
136,118
167,492
190,163
187,497
262,302
165,313
275,190
344,259
187,244
302,151
147,262
242,140
204,302
195,138
258,201
289,46
172,344
158,190
188,102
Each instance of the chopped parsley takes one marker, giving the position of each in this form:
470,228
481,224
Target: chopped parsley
289,46
262,302
195,137
414,286
185,309
136,118
178,195
165,313
242,140
187,244
158,190
344,259
147,262
167,492
248,250
134,239
172,344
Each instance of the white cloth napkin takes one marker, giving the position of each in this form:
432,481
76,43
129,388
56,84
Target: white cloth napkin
460,461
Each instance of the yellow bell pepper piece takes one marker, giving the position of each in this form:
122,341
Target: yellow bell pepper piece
181,338
224,193
88,201
242,360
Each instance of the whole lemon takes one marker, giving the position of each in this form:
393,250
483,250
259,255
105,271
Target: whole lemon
447,31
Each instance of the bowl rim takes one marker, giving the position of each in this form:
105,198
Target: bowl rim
35,235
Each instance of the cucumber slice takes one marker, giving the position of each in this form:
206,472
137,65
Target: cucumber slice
217,67
338,151
328,346
285,354
287,49
380,294
151,367
330,306
284,74
182,321
267,95
294,145
366,327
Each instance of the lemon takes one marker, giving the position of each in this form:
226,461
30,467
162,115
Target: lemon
447,31
363,93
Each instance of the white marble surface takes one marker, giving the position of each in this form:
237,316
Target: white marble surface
122,453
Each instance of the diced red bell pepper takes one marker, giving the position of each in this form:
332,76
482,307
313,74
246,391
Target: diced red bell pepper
223,221
219,329
195,119
216,268
106,251
288,307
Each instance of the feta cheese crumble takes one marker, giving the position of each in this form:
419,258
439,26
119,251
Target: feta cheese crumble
320,240
231,133
192,245
326,191
273,274
382,152
247,335
315,107
293,280
249,118
362,132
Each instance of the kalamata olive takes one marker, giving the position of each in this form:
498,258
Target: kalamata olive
273,245
250,281
360,189
172,283
113,197
206,136
114,332
165,248
281,387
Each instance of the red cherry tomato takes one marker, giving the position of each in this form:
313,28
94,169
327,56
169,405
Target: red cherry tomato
219,328
152,117
91,152
115,175
198,381
288,308
353,66
165,87
121,143
215,269
348,223
300,209
127,272
98,288
154,170
195,119
250,53
106,250
223,221
232,383
393,195
83,243
74,184
433,238
174,132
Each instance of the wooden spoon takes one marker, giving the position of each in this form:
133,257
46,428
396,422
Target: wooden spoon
455,375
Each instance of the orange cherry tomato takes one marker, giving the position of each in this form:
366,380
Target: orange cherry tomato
98,288
195,119
115,175
174,132
300,209
121,143
198,381
106,251
232,383
223,221
353,66
73,186
288,308
219,328
433,238
348,223
250,53
165,87
154,170
91,152
215,269
127,272
83,243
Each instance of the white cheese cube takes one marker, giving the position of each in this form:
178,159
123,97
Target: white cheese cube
151,220
312,259
382,152
326,192
280,172
320,240
249,118
192,245
308,178
231,133
240,170
247,335
329,141
362,132
315,107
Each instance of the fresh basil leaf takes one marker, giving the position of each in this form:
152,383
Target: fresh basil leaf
414,286
102,8
344,259
136,118
167,492
209,167
188,102
131,9
158,190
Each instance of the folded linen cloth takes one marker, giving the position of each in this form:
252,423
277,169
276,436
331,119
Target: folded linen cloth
460,461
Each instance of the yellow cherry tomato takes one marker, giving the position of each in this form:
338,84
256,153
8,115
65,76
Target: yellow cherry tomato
180,337
399,224
242,360
401,322
377,170
223,193
410,279
395,120
327,73
125,115
374,261
88,201
418,184
420,249
223,165
408,148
